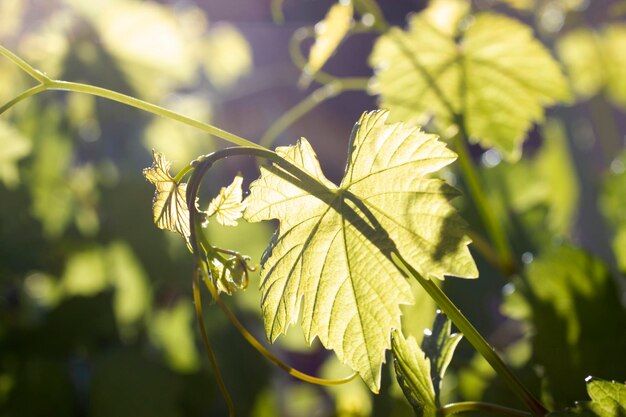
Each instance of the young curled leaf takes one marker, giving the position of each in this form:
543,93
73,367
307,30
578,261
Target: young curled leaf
228,206
229,277
169,205
413,371
439,346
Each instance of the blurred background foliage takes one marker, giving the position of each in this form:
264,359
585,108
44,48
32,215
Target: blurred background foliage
96,316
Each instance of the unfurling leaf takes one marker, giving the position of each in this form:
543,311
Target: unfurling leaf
328,35
227,206
608,399
490,70
331,258
439,346
413,370
169,205
230,276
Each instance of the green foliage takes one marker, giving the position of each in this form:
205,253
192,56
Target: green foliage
608,399
169,205
420,372
438,346
594,61
413,372
96,315
334,242
485,74
328,35
570,301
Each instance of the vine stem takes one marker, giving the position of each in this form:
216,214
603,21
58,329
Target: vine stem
207,346
25,94
469,406
494,227
314,99
46,83
473,336
150,108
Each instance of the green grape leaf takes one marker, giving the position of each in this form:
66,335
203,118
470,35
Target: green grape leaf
608,399
227,207
489,74
595,61
580,54
331,258
413,372
577,321
328,35
169,205
439,346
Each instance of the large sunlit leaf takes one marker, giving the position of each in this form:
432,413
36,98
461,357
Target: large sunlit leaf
331,259
413,373
169,205
227,206
571,303
608,399
328,35
490,70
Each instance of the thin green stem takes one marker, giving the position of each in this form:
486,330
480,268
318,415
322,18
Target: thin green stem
470,174
483,247
181,174
314,99
266,353
299,60
150,108
24,66
470,406
276,8
473,336
25,94
207,346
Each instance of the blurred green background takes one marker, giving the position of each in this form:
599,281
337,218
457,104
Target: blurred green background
96,315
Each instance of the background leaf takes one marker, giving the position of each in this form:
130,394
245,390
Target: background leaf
328,35
496,75
608,399
570,302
